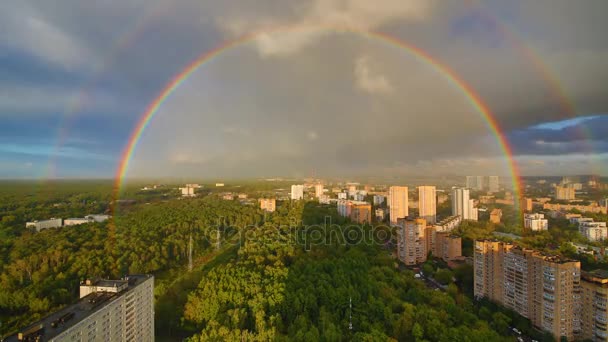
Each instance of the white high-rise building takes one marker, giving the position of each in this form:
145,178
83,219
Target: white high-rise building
108,310
493,184
398,202
297,192
462,205
427,203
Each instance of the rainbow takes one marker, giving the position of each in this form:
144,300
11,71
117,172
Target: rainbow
416,52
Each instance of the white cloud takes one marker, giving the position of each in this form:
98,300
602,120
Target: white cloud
369,80
285,36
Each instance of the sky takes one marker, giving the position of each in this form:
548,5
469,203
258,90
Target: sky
303,95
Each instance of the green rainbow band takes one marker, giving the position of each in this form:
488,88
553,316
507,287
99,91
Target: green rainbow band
418,53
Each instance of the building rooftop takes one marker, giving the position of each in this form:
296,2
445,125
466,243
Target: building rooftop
596,276
61,320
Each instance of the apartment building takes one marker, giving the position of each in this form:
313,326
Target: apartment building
593,231
594,318
446,246
535,222
268,204
544,289
108,310
411,240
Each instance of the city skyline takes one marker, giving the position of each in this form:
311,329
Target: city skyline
82,91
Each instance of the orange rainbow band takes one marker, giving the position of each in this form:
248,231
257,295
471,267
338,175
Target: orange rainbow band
418,53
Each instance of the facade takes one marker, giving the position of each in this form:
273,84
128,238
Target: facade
45,224
77,221
318,190
594,318
379,199
411,241
473,212
398,203
427,204
342,195
187,191
108,310
592,208
268,204
593,231
495,215
544,289
526,204
446,246
475,183
380,214
448,224
493,184
361,212
535,222
98,217
461,204
297,192
564,193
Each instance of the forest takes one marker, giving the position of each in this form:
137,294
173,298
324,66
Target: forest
264,284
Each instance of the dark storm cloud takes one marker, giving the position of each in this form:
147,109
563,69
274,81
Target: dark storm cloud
289,101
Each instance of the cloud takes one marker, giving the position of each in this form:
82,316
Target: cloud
306,22
368,80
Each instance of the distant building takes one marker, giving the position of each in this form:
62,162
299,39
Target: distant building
357,211
475,183
342,195
379,199
575,186
592,208
411,240
297,192
352,190
359,197
380,214
473,211
526,204
594,231
228,196
493,184
242,196
219,185
187,191
45,224
361,212
76,221
268,204
460,203
398,203
318,190
108,310
495,215
448,224
564,193
427,204
442,198
98,217
324,199
535,222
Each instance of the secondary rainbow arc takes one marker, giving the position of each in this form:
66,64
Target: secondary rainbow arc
421,55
